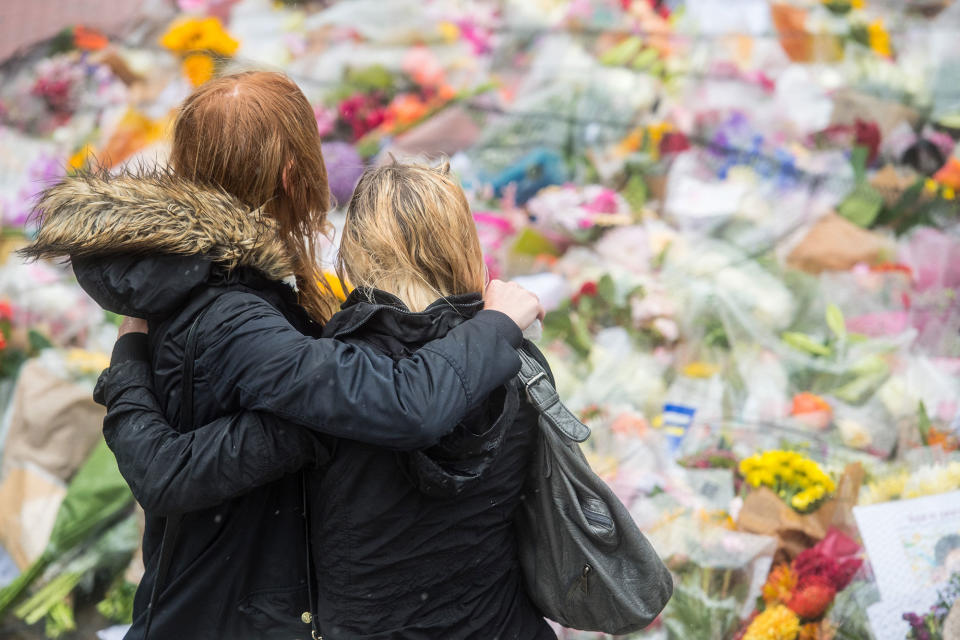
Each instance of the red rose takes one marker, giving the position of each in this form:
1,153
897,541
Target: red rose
588,289
674,142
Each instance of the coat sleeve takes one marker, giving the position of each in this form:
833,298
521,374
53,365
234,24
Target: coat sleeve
170,472
253,358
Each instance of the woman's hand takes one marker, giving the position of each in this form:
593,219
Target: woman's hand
132,325
516,302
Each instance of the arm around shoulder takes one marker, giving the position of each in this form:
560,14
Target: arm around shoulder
257,360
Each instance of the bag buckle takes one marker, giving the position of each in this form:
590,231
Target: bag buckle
546,398
535,379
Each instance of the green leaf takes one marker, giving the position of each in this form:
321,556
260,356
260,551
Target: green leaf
862,206
860,388
923,423
803,342
646,59
370,78
37,341
580,338
622,53
606,290
635,192
836,322
531,243
858,158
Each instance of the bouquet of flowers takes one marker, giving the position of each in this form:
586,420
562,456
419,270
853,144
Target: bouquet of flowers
791,497
797,595
601,304
796,479
945,613
572,214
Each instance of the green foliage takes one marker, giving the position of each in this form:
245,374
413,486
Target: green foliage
862,207
95,498
117,604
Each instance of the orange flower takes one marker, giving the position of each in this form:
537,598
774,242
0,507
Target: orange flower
809,403
446,93
629,424
779,585
88,39
812,601
6,311
949,174
79,160
407,108
941,439
813,631
198,67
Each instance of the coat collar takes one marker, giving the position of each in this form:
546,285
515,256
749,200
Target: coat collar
372,311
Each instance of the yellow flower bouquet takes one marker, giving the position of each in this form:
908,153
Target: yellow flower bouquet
790,497
796,479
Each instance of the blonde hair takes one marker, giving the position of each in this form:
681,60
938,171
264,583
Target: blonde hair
409,231
254,135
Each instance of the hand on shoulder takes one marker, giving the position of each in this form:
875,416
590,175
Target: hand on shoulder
520,305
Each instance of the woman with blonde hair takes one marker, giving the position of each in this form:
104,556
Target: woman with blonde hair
406,545
218,255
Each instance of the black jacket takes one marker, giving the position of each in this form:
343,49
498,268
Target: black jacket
165,250
407,545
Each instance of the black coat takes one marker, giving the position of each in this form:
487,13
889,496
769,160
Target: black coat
167,251
407,545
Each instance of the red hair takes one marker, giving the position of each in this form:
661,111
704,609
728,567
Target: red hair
254,135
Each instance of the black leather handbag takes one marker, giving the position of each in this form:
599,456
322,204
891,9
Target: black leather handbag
585,562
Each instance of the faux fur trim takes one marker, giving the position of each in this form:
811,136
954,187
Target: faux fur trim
154,213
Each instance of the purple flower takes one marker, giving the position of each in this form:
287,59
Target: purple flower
344,168
41,173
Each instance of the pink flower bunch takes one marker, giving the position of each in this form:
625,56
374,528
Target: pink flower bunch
363,112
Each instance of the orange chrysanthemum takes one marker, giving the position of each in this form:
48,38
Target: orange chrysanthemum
780,584
811,601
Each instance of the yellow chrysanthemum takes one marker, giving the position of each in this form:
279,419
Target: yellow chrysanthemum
879,39
797,479
776,623
198,67
199,34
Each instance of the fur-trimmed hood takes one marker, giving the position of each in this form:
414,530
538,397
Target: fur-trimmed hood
154,214
140,244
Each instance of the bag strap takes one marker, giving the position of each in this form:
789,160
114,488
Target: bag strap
314,629
171,528
544,398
